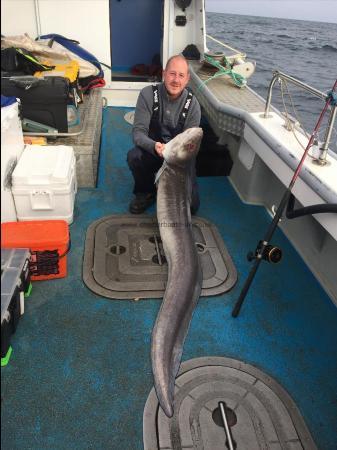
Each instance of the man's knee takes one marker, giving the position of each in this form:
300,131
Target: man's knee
133,157
138,158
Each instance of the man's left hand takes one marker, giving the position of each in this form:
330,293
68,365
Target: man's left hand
159,148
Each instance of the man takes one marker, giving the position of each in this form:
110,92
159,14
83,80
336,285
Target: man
162,112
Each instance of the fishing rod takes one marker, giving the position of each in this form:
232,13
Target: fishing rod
264,250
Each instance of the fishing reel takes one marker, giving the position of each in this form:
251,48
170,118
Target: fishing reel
269,253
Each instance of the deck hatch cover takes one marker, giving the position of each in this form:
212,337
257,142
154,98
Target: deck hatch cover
265,416
124,258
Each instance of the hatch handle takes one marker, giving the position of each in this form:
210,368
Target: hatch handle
156,243
230,443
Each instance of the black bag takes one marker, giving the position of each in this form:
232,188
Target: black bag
191,52
21,60
9,60
43,100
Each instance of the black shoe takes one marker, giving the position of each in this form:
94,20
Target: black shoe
141,202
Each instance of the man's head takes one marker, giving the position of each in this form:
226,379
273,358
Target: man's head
176,75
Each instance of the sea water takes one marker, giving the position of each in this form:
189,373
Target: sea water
305,50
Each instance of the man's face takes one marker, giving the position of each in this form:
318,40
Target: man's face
176,77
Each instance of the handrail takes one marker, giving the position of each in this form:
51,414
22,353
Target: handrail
243,55
282,76
324,149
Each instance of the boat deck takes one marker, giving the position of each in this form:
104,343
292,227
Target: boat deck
80,372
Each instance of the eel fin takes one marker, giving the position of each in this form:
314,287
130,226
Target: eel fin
160,171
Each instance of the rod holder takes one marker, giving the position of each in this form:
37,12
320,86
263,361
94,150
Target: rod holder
321,160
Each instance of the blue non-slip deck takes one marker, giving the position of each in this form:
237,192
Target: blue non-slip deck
80,371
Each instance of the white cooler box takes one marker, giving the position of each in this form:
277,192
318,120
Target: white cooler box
44,183
11,148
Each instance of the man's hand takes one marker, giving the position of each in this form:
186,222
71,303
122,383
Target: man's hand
159,148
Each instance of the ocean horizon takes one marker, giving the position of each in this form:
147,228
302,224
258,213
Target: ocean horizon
272,17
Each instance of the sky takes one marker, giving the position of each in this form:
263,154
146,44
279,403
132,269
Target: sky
316,10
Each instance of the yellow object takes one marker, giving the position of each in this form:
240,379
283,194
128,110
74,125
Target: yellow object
69,70
35,140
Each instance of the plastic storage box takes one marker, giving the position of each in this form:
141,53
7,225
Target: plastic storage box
44,183
11,148
15,281
48,241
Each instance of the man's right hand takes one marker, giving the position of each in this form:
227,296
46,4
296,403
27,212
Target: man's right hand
159,148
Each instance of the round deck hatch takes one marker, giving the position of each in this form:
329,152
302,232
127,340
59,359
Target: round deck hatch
261,414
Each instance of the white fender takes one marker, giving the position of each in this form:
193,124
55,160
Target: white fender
245,69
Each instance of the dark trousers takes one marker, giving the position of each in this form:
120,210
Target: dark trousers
144,166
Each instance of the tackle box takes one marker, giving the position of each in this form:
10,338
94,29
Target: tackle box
48,242
44,183
43,100
15,282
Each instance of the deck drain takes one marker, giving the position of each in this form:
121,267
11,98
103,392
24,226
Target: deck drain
153,239
231,417
260,413
124,258
200,247
117,249
157,260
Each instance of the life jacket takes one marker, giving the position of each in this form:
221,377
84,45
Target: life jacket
15,59
73,46
164,133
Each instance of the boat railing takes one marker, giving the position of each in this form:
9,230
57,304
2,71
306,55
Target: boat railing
280,76
237,53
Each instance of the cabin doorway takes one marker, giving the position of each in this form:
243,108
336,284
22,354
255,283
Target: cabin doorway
136,30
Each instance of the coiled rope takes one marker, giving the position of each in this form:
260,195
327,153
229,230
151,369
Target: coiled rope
238,79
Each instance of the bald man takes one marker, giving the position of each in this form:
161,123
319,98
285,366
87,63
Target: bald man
162,112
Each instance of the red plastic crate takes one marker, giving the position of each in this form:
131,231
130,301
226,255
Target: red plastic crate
48,241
